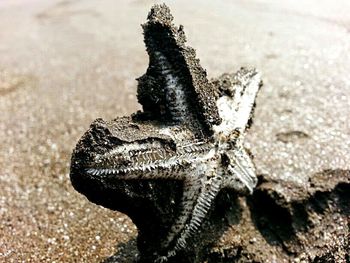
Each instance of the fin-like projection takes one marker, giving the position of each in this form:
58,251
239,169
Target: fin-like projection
242,171
209,191
237,101
175,87
190,194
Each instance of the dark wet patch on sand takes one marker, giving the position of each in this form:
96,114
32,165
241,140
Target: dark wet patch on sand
63,10
10,82
291,136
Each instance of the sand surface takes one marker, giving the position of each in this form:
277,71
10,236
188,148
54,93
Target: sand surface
65,63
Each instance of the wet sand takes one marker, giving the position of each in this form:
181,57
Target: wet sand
65,63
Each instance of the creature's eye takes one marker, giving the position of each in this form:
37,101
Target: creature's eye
225,160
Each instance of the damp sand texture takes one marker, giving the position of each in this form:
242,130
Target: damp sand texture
64,63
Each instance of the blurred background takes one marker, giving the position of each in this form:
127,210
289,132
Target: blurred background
65,63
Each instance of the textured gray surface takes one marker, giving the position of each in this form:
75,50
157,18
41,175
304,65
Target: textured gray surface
62,64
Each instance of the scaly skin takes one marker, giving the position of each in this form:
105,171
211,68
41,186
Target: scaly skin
190,130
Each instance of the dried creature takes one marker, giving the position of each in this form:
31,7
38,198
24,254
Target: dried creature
190,129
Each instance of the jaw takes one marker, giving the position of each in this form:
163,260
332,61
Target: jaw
127,149
139,199
149,161
127,196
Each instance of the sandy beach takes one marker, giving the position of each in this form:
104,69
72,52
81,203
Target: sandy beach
65,63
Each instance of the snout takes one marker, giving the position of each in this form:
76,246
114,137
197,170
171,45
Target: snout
96,140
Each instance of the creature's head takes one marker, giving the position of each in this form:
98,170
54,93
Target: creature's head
119,148
108,148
